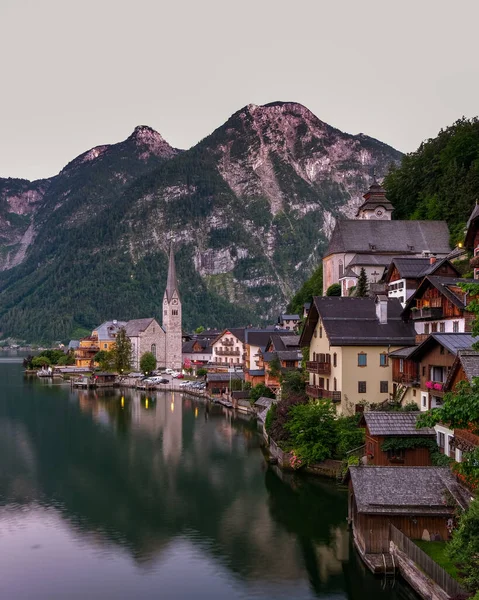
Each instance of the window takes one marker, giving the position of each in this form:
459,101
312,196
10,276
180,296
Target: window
383,387
433,327
361,387
401,365
153,349
441,350
442,327
396,456
426,328
320,331
424,400
441,440
327,384
341,269
455,327
335,360
414,393
424,371
335,385
105,345
362,359
174,312
383,360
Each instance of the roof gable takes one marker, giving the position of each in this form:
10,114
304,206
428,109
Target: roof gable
383,423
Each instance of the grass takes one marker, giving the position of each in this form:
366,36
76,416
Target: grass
438,552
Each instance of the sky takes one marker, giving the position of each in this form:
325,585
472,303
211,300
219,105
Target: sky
79,74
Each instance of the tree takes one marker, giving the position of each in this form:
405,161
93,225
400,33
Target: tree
199,329
293,383
147,362
312,430
202,372
260,390
105,360
362,287
41,361
310,288
464,546
334,290
122,351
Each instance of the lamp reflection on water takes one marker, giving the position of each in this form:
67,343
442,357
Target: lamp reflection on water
146,403
196,412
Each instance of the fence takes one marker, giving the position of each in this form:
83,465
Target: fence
425,562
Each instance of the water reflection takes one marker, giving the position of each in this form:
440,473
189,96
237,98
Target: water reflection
138,490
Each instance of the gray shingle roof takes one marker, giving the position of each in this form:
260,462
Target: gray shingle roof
362,260
406,490
264,402
109,329
256,372
451,341
403,352
289,317
224,376
470,363
290,340
395,423
401,237
353,321
444,285
136,326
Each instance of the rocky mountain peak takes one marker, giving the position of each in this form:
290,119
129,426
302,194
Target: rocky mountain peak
151,142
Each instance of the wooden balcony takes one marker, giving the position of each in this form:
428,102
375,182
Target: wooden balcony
321,368
227,342
465,440
313,391
227,352
428,312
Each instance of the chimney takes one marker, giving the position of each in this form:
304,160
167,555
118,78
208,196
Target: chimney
382,309
432,260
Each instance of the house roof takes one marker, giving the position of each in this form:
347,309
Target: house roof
415,267
72,344
399,237
364,260
256,372
109,329
290,340
260,337
289,354
289,317
237,332
264,402
136,326
468,359
224,376
471,228
282,340
188,347
406,490
353,321
374,197
385,423
403,352
450,341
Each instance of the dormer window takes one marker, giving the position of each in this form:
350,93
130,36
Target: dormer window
372,246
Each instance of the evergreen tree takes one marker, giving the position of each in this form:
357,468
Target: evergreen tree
122,352
362,288
147,363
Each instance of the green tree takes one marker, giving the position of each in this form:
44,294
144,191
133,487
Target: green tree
312,430
67,359
310,288
122,352
147,363
334,290
199,329
464,546
41,361
105,360
201,372
362,288
293,383
260,390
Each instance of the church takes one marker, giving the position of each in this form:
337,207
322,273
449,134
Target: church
146,335
372,240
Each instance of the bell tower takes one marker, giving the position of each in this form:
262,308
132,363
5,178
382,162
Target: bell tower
172,318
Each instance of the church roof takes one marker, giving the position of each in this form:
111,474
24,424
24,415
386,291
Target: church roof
374,197
171,282
136,326
400,237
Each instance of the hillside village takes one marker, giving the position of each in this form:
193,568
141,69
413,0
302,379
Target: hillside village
381,359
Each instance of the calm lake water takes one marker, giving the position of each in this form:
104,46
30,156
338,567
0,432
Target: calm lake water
110,496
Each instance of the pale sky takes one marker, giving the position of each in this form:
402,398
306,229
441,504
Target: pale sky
79,74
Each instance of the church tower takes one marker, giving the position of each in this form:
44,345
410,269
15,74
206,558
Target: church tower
172,318
375,206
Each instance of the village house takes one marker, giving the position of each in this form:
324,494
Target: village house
256,341
464,368
405,273
282,353
372,240
471,241
228,348
219,384
197,353
439,305
383,428
349,341
289,322
101,338
405,375
435,358
419,501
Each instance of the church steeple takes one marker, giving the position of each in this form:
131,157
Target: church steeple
172,317
375,205
171,282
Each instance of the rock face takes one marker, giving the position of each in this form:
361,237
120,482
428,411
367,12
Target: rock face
250,208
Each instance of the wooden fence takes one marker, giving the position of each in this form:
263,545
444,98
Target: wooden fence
425,562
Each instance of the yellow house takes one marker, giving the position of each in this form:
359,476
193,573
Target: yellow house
349,340
101,338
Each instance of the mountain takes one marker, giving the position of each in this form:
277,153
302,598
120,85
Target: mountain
250,208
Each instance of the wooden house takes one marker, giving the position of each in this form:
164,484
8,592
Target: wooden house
471,241
419,501
383,427
439,305
405,273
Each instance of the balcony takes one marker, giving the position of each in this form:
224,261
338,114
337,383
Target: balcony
427,312
321,368
227,352
465,440
313,391
227,342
